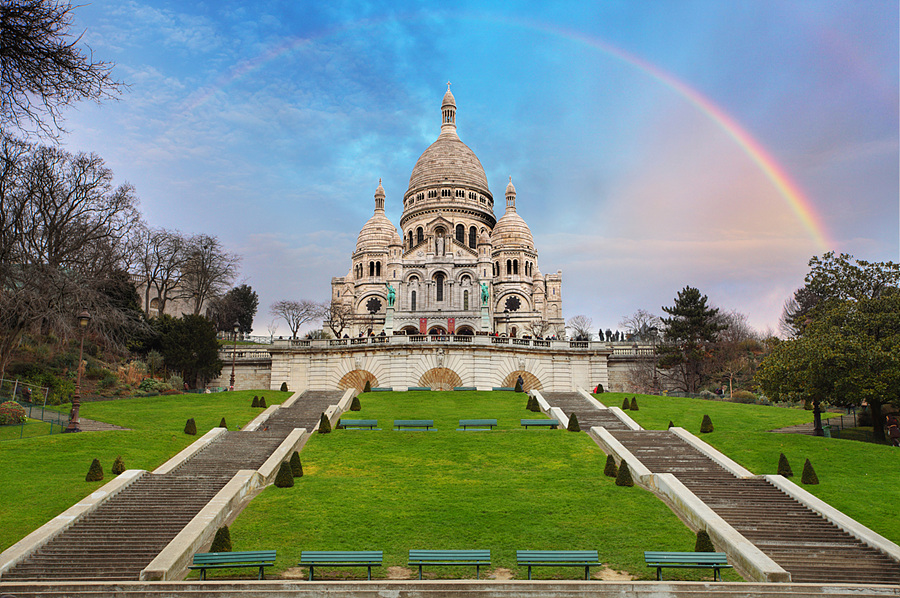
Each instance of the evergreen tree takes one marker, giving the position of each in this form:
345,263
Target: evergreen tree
95,473
222,424
809,475
296,465
599,389
284,478
190,427
784,468
691,330
324,425
671,424
368,386
623,478
706,426
634,405
573,424
703,543
610,470
518,387
284,387
255,402
262,402
118,465
222,541
355,405
626,405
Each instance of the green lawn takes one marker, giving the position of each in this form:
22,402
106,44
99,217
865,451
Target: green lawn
44,475
505,490
857,478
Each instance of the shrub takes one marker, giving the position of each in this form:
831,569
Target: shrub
95,473
518,387
611,470
222,541
11,413
626,405
190,427
707,426
118,465
175,381
296,465
623,478
354,404
324,425
671,424
255,402
284,387
155,361
368,386
533,404
784,468
743,396
109,381
222,424
708,395
634,405
284,479
703,544
809,475
262,402
171,391
763,400
599,389
573,424
94,371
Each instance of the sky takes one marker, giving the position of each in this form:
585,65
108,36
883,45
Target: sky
653,145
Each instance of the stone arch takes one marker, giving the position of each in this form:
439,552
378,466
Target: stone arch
437,330
357,379
409,330
529,380
440,379
465,330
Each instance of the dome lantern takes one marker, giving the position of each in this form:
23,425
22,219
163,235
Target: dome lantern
510,196
379,197
448,110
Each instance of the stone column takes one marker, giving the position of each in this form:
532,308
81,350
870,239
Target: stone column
389,321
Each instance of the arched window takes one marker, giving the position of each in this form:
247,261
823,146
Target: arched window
410,240
515,266
439,287
461,233
472,235
420,235
377,268
371,268
465,299
509,266
412,301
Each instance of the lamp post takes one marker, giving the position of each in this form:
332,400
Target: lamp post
83,318
237,328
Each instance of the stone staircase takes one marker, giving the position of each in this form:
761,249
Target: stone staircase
123,535
588,414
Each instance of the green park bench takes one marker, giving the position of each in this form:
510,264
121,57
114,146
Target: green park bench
229,560
340,558
687,560
508,388
558,558
547,423
479,424
450,557
464,388
413,423
382,389
419,388
357,424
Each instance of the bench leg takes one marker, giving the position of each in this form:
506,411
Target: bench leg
370,572
202,574
310,573
717,575
586,573
477,573
529,571
261,569
420,572
659,574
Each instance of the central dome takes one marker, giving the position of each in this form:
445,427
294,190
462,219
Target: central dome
448,161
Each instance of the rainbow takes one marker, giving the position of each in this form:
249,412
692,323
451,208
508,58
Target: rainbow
797,201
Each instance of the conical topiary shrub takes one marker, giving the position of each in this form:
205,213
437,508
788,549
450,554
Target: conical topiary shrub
623,477
809,474
634,406
671,425
532,404
255,402
296,465
284,478
368,386
95,473
222,423
324,425
611,470
784,468
222,541
706,427
262,402
354,404
626,405
599,389
190,427
703,543
573,424
284,387
518,387
118,465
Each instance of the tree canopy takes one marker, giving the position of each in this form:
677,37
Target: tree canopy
690,332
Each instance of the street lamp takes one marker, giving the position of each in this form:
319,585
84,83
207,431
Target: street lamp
83,318
237,328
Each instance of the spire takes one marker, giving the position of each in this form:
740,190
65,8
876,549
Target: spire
510,196
379,197
448,110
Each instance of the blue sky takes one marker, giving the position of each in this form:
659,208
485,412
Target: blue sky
269,124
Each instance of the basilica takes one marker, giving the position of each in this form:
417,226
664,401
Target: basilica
453,268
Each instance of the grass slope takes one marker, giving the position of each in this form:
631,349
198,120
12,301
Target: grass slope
505,490
43,476
856,478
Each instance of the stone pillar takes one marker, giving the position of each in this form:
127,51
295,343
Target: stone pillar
485,319
389,321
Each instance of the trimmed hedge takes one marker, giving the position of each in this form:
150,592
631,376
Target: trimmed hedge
118,465
703,544
324,425
190,427
784,468
284,478
573,424
706,426
95,472
222,541
611,470
809,474
623,478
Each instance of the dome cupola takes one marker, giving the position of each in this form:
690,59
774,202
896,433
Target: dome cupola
378,232
511,232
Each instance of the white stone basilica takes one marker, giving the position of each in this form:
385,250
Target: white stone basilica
456,269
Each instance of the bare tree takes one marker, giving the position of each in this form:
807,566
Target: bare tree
159,259
338,316
642,326
43,69
539,328
296,313
581,328
208,270
738,349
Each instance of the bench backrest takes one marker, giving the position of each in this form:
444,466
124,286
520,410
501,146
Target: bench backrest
358,422
341,556
449,555
219,558
699,558
540,422
478,422
557,556
413,422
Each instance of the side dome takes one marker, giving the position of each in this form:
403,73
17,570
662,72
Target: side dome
378,232
512,232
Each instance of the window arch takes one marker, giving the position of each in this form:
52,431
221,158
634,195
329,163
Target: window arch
472,237
461,233
410,239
